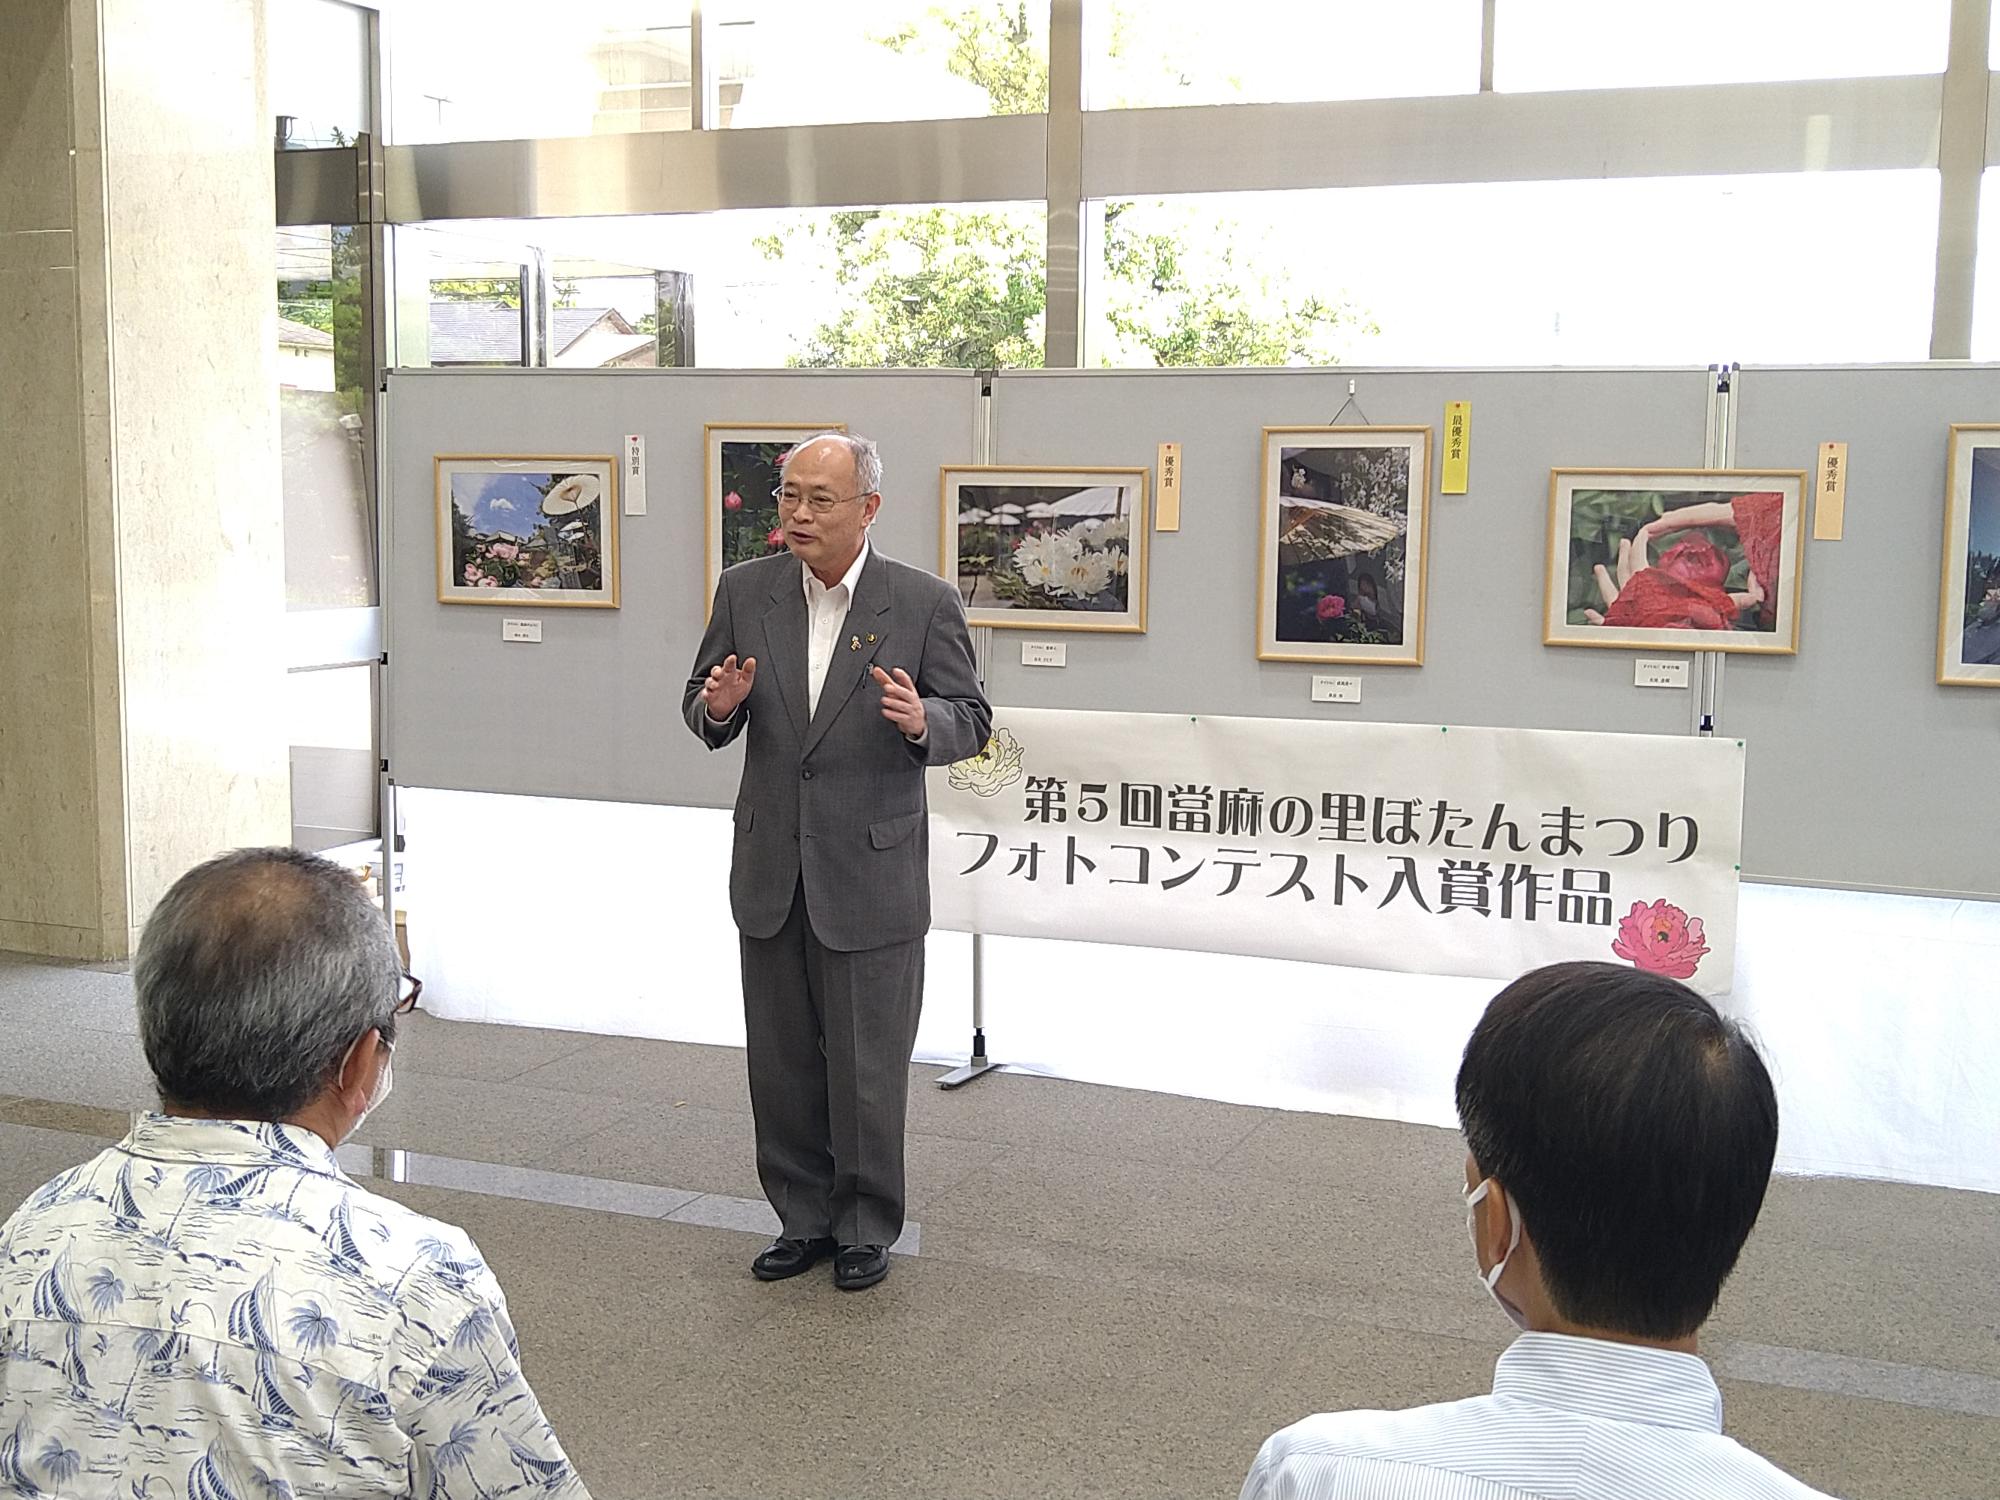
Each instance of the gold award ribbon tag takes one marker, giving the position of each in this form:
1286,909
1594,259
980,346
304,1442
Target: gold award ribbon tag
1168,513
1830,493
1457,447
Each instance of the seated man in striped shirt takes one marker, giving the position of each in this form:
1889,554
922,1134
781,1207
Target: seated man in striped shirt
1620,1135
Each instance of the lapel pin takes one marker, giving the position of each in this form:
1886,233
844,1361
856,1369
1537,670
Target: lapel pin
871,640
854,642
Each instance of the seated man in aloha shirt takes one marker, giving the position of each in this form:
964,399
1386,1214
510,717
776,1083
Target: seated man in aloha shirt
211,1308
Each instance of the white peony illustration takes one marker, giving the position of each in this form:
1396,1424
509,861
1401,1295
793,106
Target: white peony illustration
992,770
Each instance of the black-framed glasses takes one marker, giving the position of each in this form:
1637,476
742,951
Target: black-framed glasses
819,504
407,992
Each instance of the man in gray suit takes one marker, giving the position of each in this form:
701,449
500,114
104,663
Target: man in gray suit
851,673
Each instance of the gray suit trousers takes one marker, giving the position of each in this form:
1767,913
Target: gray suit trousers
830,1035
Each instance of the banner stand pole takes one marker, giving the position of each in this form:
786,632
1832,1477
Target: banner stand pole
1718,452
978,1064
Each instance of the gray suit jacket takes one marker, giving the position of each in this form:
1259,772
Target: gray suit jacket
838,798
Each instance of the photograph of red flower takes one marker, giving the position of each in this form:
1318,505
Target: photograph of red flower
1704,560
740,519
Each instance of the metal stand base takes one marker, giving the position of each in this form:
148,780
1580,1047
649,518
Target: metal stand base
976,1067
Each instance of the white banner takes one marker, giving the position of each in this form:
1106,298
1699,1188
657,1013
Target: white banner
1482,852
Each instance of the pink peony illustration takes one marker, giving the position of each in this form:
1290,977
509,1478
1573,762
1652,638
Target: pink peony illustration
776,538
505,551
1662,939
732,501
472,573
1330,607
783,458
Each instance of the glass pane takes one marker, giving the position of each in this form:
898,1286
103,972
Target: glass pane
1142,55
1986,283
330,716
477,70
317,71
1652,271
1589,44
470,298
805,62
955,286
323,379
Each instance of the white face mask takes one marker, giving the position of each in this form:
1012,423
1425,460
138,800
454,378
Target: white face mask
1491,1279
385,1083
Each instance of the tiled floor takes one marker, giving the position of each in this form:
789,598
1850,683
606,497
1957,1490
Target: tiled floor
1109,1293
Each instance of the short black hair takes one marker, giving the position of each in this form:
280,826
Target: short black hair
1633,1126
256,973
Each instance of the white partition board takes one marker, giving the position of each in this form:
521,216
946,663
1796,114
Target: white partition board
593,709
1862,772
1884,779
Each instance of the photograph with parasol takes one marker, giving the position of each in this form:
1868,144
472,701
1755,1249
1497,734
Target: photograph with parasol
1345,527
514,528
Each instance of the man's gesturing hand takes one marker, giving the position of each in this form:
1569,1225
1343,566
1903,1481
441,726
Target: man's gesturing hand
727,686
900,704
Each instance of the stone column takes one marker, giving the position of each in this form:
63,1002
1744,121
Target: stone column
141,560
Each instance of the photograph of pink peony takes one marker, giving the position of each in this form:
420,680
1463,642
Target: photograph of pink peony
534,529
1662,939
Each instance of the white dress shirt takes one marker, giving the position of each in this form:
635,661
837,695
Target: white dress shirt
826,612
213,1308
1569,1419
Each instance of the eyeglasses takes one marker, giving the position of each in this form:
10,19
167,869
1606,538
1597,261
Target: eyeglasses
820,504
406,994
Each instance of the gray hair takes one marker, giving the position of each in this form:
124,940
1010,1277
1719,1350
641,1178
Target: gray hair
257,972
867,457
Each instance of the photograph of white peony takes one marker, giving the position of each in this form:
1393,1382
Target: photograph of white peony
1047,549
513,529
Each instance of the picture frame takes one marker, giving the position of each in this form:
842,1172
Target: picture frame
499,541
1046,548
1727,577
1968,652
1344,545
741,465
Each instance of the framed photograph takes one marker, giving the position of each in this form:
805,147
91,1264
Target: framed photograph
739,499
1345,537
540,530
1047,549
1675,559
1969,614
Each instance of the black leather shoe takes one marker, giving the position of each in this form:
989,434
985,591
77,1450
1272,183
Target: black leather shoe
789,1257
858,1266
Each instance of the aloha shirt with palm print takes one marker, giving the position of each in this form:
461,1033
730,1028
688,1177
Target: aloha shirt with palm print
213,1310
